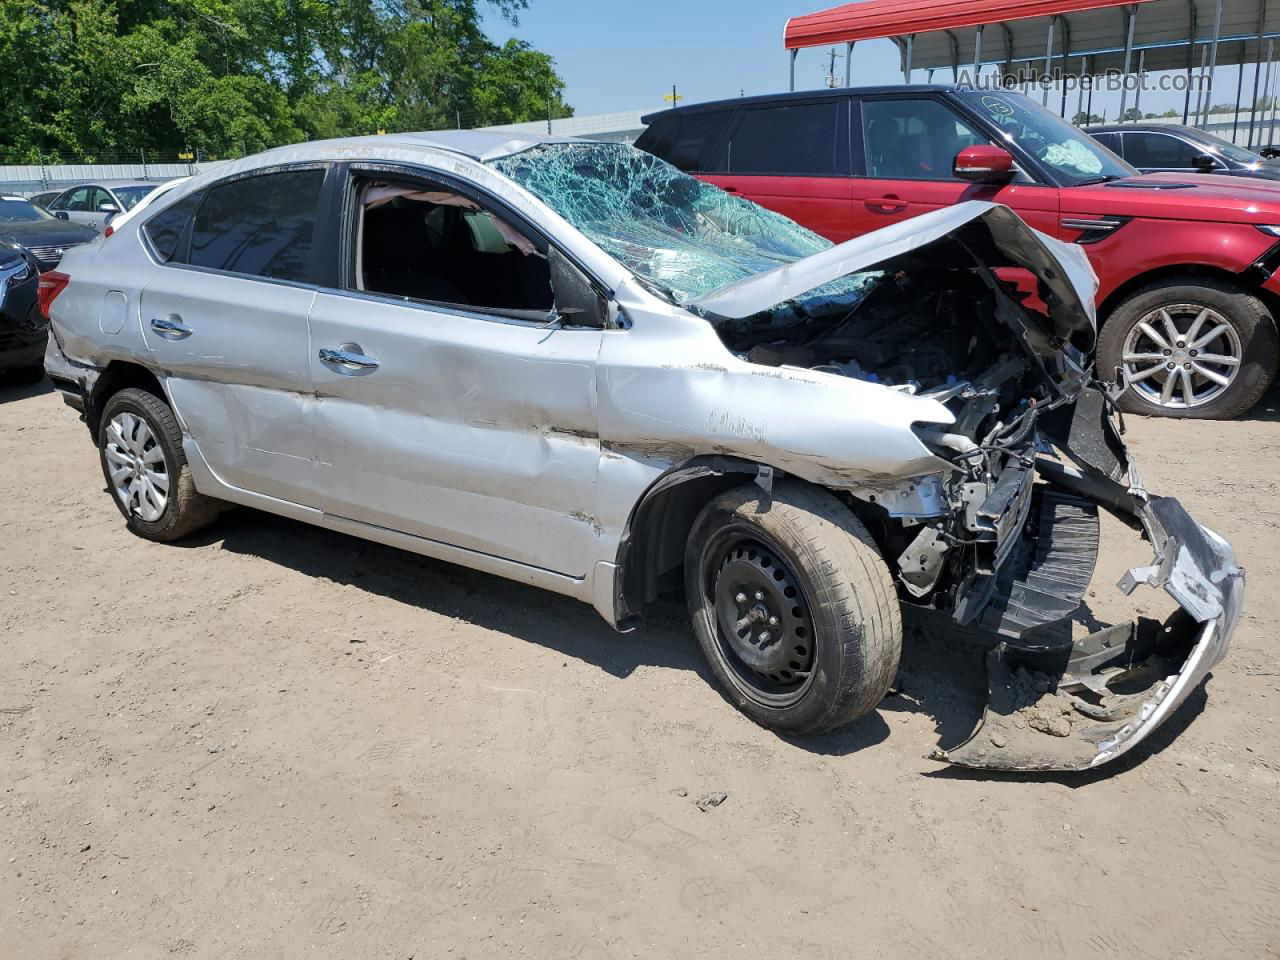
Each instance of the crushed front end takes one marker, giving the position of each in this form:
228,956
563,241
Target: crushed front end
972,309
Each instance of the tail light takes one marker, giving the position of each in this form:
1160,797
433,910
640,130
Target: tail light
108,231
51,284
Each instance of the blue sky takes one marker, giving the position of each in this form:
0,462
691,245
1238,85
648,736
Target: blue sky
625,56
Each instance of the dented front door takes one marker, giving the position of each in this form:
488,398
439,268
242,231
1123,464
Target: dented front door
467,429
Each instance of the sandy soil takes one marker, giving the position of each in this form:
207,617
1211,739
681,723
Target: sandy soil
280,742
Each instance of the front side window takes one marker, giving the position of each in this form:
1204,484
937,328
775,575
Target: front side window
425,242
1159,150
98,197
914,139
797,140
1071,153
259,225
77,201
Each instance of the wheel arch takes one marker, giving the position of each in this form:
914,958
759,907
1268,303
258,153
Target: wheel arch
651,549
1181,273
118,375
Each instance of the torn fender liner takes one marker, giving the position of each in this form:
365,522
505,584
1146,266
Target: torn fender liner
1087,703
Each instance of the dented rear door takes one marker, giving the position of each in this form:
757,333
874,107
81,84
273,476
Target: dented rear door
464,428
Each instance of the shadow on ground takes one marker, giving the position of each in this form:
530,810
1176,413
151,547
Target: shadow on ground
942,674
16,385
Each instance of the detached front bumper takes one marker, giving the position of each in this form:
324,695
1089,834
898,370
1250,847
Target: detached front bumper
1078,705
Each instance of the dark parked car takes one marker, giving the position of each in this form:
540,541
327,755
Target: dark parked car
1166,148
23,327
33,227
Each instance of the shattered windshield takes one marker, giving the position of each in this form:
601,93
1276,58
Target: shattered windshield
1068,150
685,236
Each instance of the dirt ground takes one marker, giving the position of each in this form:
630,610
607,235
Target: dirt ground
277,741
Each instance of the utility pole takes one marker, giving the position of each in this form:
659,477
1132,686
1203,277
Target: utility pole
831,70
673,98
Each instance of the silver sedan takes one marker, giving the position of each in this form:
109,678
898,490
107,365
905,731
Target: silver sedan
570,364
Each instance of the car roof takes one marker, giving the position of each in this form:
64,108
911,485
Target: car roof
1145,128
477,144
801,95
11,196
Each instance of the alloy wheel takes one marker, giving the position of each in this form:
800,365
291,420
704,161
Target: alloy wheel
1181,356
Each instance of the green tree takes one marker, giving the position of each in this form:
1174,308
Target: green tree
95,77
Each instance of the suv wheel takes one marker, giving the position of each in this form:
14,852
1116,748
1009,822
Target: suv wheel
140,445
793,607
1205,350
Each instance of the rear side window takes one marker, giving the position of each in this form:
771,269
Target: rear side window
685,140
1109,140
167,228
260,225
798,140
1158,150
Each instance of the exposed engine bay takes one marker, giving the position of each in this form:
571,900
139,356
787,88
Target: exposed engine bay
1004,537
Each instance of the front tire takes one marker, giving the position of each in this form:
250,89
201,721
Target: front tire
1206,350
793,607
140,447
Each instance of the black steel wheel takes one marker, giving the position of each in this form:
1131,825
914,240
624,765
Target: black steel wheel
794,609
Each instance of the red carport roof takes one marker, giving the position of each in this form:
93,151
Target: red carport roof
874,19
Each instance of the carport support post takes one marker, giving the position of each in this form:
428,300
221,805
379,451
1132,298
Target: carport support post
906,63
1130,14
1204,60
793,68
848,63
1048,62
1137,93
1235,114
977,55
1213,62
1084,73
1257,67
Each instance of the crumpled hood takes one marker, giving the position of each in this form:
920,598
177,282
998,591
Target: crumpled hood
990,234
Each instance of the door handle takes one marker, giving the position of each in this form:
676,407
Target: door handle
171,327
729,189
889,204
350,359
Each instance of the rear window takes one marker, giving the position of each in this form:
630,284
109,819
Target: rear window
798,140
261,225
685,140
168,227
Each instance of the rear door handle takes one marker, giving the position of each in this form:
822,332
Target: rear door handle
729,189
885,204
171,327
349,357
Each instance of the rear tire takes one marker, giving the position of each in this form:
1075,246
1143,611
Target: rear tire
140,447
793,607
1248,339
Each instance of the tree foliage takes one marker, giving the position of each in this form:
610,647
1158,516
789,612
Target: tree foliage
231,76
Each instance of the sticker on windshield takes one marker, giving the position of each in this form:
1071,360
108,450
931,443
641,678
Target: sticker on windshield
1073,154
997,106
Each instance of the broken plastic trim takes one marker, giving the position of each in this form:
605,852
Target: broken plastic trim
1076,707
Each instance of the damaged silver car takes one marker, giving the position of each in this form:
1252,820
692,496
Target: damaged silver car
569,364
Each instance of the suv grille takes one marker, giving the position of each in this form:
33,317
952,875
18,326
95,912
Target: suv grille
51,256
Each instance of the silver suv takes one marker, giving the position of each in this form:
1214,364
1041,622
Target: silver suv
570,364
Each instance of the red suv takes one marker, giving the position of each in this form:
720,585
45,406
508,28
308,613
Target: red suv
1187,265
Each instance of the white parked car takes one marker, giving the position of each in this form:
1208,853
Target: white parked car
570,364
97,204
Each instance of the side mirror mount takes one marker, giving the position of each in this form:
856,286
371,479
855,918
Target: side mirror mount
577,302
61,215
1203,163
984,163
